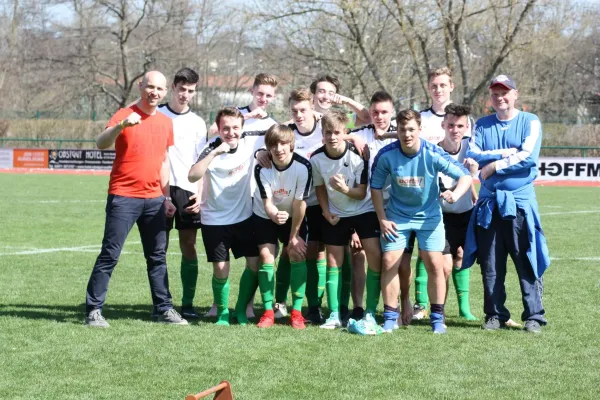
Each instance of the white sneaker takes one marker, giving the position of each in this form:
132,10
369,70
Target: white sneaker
280,310
419,312
212,312
332,322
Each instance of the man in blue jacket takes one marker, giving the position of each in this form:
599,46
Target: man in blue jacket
506,219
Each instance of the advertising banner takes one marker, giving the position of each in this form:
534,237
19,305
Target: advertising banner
6,158
80,159
569,169
30,158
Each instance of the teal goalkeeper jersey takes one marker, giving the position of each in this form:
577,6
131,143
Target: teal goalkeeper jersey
414,196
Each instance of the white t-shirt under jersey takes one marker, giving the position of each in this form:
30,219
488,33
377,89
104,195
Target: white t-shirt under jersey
283,186
465,203
355,171
431,123
189,131
367,133
256,124
306,144
226,195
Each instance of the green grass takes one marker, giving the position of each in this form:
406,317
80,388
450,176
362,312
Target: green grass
46,352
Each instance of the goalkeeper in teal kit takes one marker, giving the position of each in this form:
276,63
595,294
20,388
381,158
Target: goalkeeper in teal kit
413,166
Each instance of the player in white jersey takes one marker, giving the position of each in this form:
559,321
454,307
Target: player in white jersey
255,119
381,132
255,114
456,215
278,216
340,176
225,165
190,138
326,92
440,87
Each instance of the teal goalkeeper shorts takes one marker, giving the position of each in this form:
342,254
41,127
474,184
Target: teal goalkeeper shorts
429,239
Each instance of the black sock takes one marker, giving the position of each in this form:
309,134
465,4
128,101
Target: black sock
437,308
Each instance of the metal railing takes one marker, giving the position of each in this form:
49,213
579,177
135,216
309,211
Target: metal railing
37,141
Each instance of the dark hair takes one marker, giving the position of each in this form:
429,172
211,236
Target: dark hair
381,96
457,110
332,119
325,78
185,75
228,112
406,115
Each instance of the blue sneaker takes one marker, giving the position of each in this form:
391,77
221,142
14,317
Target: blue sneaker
389,326
365,327
437,323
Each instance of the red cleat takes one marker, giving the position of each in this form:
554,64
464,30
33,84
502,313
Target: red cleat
297,320
267,320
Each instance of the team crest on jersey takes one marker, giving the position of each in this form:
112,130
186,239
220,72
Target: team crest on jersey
411,181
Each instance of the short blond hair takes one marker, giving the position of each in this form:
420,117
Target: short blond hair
334,119
279,134
301,94
438,72
265,79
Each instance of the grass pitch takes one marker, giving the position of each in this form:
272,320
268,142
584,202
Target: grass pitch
51,232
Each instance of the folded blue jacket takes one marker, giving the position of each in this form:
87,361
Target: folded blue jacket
508,202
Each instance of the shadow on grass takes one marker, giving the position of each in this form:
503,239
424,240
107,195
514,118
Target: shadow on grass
76,313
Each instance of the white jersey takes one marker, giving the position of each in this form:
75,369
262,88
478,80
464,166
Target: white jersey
355,171
189,131
226,195
465,203
367,133
305,145
431,123
256,124
283,186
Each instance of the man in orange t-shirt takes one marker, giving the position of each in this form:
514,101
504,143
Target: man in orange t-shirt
138,192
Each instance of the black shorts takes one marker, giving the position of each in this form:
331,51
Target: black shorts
314,223
366,226
182,220
456,226
267,231
239,238
410,246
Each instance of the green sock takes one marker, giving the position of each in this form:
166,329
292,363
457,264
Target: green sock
220,289
346,279
265,283
333,279
189,276
421,295
298,283
322,271
312,283
282,280
373,290
460,277
248,285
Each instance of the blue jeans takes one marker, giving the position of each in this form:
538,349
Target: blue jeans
121,213
504,237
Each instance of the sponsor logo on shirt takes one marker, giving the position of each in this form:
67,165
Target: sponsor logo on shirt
411,181
281,192
236,170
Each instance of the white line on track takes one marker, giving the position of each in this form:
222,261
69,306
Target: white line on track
63,201
571,212
93,248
